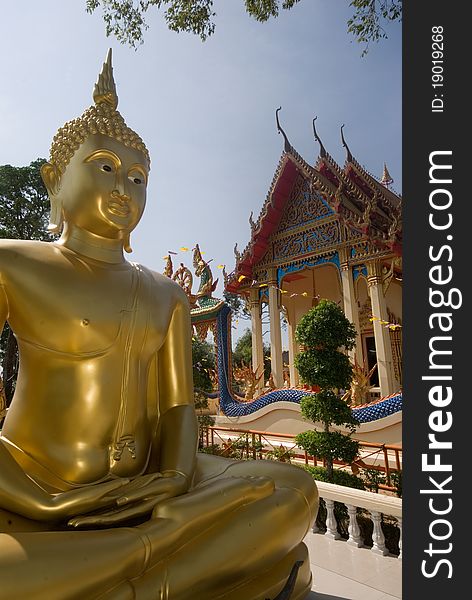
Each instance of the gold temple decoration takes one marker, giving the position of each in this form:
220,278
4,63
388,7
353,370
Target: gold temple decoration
249,378
183,276
386,177
169,268
388,273
359,392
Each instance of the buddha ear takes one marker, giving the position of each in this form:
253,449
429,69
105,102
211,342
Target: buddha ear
126,243
51,179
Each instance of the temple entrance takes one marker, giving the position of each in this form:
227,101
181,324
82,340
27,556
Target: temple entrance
371,353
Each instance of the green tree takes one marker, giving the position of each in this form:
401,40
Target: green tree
237,305
366,24
24,210
24,204
125,19
243,353
322,332
243,349
203,362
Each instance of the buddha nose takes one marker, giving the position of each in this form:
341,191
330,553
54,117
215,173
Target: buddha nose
116,193
120,184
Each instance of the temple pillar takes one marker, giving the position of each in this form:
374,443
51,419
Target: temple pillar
292,352
387,381
257,342
275,334
350,307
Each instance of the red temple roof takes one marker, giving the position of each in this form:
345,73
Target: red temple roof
353,193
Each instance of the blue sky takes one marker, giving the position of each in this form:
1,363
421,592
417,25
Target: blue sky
205,110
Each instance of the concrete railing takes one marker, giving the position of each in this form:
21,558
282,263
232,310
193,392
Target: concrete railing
375,504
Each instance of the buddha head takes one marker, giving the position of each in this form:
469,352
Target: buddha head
97,173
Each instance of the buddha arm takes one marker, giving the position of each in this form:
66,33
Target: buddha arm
20,494
178,436
17,492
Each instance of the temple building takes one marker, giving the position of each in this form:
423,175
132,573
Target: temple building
326,231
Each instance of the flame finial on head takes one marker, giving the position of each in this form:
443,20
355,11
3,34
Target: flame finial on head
105,88
102,117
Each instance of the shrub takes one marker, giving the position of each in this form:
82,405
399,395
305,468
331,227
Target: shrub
329,445
323,331
340,477
373,478
325,406
326,327
280,453
325,368
396,477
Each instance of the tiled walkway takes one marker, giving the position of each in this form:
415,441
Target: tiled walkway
342,572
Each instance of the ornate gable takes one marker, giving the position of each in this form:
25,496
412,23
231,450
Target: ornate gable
303,207
307,226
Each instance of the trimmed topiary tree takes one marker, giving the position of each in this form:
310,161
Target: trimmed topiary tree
322,332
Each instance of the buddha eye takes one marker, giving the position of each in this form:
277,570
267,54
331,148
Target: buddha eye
136,180
107,168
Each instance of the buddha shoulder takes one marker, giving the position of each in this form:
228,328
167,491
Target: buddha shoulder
165,287
16,254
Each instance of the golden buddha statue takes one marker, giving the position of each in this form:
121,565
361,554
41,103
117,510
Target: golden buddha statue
102,491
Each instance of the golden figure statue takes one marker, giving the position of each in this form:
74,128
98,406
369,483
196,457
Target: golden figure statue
102,492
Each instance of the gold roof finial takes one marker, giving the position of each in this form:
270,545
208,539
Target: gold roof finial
105,89
349,155
386,177
317,138
287,145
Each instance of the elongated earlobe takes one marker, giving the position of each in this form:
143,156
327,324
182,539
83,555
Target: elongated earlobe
56,218
126,244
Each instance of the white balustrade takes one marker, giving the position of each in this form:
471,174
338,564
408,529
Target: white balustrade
331,525
355,538
378,537
376,504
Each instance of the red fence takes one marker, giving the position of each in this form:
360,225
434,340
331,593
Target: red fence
386,458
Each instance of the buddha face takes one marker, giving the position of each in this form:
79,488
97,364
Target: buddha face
103,189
